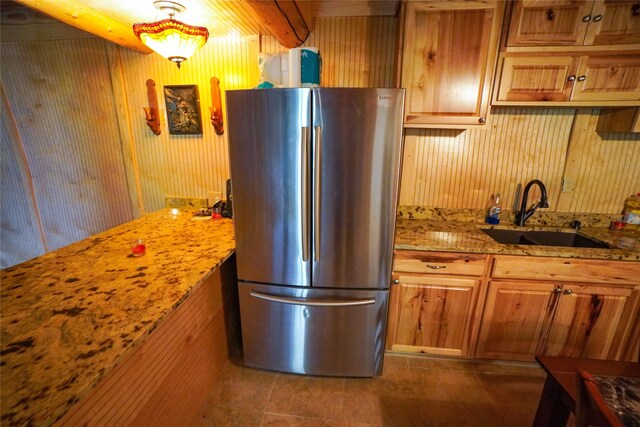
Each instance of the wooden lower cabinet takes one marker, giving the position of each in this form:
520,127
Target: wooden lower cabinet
590,321
515,316
523,319
432,315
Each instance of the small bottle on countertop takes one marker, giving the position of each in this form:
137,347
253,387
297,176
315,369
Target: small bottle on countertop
493,210
631,218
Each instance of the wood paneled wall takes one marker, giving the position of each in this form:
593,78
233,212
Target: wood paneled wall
63,113
461,169
76,108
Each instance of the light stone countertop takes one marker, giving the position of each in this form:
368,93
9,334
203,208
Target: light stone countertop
463,236
68,316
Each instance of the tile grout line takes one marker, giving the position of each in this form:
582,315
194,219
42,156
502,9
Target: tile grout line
273,386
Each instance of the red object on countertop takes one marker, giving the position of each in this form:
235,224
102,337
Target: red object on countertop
138,249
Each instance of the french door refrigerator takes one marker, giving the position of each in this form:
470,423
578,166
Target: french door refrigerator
314,176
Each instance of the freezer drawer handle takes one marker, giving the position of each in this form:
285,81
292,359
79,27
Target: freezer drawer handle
315,303
304,211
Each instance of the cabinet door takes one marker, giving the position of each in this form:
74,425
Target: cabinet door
614,22
545,23
608,78
432,314
448,61
590,322
515,317
537,78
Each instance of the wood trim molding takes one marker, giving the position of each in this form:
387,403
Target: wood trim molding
90,20
284,19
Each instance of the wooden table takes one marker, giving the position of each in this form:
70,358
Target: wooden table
559,392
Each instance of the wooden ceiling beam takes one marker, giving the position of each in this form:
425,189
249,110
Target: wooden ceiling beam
79,15
285,19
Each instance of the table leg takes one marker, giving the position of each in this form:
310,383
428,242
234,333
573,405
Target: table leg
552,412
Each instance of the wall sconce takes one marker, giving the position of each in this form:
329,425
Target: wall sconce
151,112
172,39
216,108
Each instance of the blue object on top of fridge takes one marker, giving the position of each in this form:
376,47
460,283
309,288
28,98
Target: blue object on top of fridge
315,185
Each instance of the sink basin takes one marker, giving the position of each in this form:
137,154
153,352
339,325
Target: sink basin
542,238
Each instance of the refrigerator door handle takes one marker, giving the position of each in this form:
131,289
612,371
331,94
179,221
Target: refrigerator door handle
304,211
316,302
317,179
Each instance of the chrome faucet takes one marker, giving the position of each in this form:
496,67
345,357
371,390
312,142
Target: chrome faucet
523,214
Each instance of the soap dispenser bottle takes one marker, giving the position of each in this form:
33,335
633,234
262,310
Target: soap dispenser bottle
493,210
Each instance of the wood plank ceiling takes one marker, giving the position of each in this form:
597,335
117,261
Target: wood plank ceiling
289,21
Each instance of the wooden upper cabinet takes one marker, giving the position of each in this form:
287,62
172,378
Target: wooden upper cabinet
540,23
537,78
449,56
574,23
594,78
608,77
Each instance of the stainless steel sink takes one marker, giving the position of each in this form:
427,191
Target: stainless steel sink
542,238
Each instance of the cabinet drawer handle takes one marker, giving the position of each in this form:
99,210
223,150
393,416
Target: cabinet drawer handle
582,78
597,18
567,292
586,18
571,78
436,267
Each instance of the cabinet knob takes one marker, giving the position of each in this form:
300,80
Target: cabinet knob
586,18
482,120
396,281
582,78
597,18
635,9
571,78
567,292
557,289
551,14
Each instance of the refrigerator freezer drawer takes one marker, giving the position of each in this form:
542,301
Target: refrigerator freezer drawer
313,331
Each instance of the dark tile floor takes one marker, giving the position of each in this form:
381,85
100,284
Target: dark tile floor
413,391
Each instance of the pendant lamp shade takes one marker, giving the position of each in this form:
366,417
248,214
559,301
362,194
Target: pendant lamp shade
172,39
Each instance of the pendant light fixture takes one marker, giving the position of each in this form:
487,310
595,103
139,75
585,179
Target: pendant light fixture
172,39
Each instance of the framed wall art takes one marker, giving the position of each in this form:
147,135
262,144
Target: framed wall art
183,109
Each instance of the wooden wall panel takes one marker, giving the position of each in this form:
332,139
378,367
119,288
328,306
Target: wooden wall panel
355,51
62,101
604,166
96,164
21,236
185,165
165,380
461,169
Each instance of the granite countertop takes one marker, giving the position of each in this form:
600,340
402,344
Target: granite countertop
68,316
439,230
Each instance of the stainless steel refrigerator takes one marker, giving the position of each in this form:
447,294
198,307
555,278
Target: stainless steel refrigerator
314,175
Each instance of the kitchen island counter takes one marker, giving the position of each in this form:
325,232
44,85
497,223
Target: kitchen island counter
69,316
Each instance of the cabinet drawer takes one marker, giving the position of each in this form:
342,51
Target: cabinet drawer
566,270
439,263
